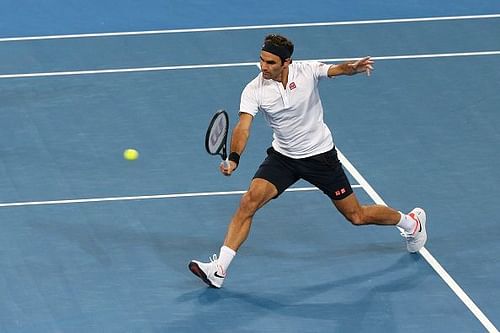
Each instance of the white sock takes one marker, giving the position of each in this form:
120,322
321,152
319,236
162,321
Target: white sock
407,224
226,255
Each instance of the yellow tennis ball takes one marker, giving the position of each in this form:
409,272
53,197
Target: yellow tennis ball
130,154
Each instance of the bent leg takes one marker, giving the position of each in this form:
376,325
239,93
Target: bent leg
359,214
259,193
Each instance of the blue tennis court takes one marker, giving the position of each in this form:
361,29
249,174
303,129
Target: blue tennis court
91,242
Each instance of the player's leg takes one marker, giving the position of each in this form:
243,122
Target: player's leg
326,172
259,193
413,223
214,272
270,180
359,214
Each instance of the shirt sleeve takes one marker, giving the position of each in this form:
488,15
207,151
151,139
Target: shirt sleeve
320,70
249,103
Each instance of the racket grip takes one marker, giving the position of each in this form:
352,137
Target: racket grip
226,163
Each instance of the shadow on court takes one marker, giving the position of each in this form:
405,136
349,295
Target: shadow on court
343,315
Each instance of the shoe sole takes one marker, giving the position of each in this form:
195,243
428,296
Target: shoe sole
196,270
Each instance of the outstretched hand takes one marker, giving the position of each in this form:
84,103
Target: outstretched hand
362,65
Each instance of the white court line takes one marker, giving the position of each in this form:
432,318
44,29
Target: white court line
424,252
143,197
241,64
124,70
251,27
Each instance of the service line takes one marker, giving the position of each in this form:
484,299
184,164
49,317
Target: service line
241,64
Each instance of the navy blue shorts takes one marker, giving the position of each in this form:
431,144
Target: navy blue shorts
323,171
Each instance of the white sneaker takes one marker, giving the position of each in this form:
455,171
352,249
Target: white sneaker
211,273
416,241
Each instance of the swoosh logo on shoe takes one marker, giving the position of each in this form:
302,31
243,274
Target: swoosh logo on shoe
219,276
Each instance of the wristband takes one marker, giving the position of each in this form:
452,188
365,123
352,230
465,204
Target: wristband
235,157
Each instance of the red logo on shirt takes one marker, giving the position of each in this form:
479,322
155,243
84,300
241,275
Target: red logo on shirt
292,86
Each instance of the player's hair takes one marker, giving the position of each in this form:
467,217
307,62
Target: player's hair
278,43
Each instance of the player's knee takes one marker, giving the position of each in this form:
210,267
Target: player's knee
249,204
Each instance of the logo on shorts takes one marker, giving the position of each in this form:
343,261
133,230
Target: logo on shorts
292,85
340,192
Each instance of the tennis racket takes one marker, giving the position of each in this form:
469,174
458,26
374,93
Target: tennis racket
216,137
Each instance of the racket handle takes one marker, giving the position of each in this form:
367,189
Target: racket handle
226,163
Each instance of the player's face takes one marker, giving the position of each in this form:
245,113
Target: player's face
271,66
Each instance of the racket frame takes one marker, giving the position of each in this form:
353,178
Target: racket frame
222,148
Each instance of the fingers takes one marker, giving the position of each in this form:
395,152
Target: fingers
364,65
365,59
369,69
227,168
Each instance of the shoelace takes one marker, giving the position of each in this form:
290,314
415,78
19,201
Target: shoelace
213,258
407,235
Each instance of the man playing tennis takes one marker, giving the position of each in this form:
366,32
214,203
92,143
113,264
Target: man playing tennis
302,148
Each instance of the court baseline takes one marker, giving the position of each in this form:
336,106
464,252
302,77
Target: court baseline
254,27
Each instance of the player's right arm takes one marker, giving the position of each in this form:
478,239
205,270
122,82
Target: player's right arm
239,139
364,65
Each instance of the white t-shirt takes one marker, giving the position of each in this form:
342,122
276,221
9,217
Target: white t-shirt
295,114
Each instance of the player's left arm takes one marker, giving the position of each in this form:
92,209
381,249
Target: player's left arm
364,65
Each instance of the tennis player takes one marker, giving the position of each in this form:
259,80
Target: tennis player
287,94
